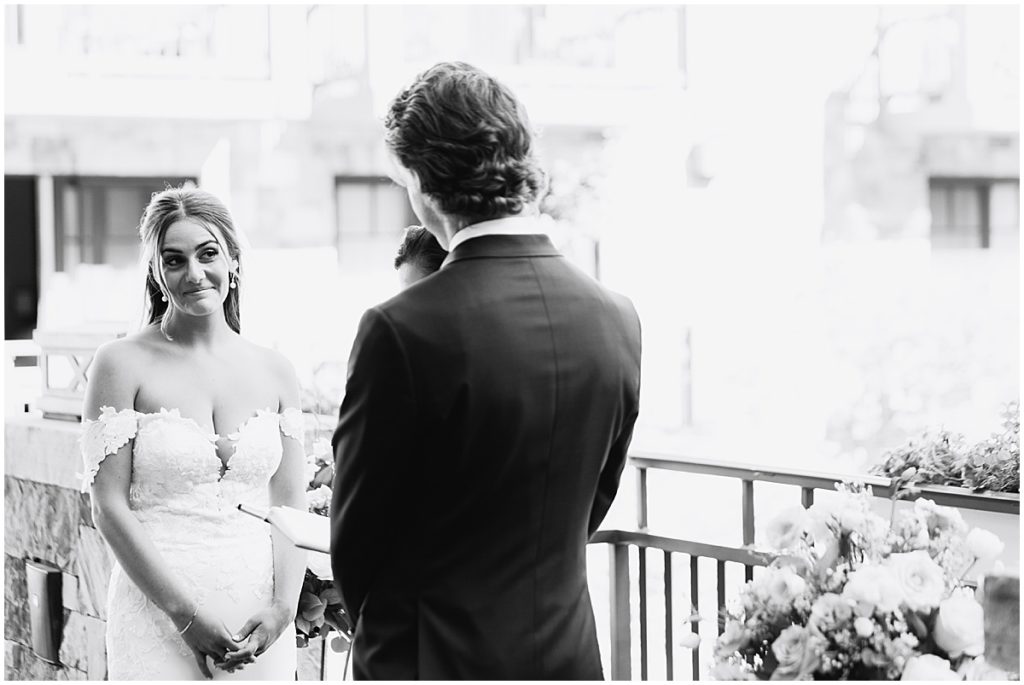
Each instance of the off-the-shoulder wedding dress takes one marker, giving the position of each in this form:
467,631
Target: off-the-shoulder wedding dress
185,498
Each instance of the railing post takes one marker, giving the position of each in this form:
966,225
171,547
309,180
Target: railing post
747,512
669,642
695,605
641,498
807,497
620,637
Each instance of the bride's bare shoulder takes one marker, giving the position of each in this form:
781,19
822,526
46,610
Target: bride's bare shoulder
130,353
280,369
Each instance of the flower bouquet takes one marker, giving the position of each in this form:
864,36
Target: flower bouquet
855,597
320,608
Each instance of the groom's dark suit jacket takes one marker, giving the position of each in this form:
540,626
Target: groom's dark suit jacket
484,429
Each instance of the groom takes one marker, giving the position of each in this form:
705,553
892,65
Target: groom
486,416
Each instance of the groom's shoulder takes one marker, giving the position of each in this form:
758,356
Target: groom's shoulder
425,300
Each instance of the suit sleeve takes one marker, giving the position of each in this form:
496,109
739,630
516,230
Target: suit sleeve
608,482
372,449
611,473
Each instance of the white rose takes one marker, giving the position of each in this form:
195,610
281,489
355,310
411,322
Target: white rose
796,654
960,626
785,530
874,587
984,545
979,669
928,667
779,586
319,498
864,626
920,578
830,611
938,518
851,519
320,564
732,638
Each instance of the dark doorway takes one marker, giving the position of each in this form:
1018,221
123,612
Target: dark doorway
21,257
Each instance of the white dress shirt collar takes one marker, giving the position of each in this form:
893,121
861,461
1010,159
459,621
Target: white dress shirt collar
509,225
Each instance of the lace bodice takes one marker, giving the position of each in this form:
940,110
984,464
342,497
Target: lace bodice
175,466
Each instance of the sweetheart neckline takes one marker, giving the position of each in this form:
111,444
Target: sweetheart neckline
224,465
176,413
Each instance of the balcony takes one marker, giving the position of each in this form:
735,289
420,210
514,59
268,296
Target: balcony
642,600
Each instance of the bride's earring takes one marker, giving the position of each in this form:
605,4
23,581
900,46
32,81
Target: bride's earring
232,281
163,297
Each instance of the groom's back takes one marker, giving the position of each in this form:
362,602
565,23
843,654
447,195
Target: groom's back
525,380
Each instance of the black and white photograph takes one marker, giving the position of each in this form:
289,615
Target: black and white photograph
511,342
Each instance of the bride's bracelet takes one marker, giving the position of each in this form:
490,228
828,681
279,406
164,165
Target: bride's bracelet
190,621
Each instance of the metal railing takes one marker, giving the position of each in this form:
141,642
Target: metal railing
621,541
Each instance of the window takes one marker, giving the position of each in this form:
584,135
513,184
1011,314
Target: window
157,41
97,218
370,207
974,213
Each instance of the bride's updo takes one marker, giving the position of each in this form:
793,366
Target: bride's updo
166,208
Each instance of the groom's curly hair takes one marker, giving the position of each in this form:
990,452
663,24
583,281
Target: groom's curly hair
468,139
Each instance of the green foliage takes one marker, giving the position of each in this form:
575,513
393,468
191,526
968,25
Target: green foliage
945,458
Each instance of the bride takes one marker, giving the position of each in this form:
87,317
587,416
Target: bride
185,419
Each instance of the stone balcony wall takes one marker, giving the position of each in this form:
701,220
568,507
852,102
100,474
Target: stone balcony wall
47,519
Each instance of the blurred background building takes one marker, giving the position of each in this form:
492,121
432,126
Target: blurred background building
816,210
819,227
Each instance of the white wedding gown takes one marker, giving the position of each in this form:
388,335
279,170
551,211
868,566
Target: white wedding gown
188,509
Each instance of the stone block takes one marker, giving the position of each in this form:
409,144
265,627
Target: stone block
21,664
85,509
81,635
97,653
43,450
69,592
40,521
12,660
93,563
73,674
17,627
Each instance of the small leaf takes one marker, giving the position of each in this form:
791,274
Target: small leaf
917,625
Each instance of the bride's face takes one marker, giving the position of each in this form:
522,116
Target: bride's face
195,269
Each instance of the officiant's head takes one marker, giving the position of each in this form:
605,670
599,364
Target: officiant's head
463,148
419,255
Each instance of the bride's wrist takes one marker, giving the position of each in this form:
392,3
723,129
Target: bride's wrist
182,615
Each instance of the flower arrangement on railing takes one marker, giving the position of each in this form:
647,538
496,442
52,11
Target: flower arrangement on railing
320,609
852,596
945,458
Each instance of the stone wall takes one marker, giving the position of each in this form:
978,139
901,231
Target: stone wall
47,519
